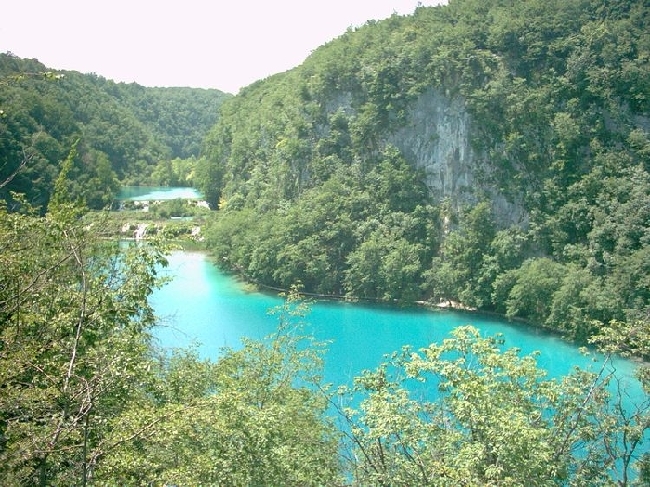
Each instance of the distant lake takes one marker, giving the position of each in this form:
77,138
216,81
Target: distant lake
158,193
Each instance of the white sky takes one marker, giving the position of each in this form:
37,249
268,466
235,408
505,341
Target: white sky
224,44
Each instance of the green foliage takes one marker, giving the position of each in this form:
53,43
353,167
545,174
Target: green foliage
467,412
312,188
532,287
325,240
457,271
556,95
74,328
254,417
124,131
177,208
87,399
384,267
177,172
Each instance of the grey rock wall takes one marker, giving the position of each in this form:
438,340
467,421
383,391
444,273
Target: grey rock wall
437,136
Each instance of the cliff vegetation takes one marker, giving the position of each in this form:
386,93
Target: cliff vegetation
492,153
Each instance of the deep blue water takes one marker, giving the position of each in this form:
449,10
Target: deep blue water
205,306
157,193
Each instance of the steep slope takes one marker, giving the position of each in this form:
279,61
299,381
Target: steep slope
123,130
526,122
476,93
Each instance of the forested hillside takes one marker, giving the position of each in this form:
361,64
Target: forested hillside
489,152
128,134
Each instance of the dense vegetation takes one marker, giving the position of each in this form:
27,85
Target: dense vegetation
88,399
311,193
312,187
127,134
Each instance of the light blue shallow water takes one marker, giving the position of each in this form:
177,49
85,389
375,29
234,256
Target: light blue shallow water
203,305
157,193
206,307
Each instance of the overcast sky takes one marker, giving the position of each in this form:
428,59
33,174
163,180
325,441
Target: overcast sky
224,44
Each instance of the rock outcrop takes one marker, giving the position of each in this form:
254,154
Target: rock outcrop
437,137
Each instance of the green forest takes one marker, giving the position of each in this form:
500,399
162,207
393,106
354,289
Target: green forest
313,186
492,155
127,134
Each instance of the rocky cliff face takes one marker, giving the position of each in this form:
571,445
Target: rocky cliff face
437,137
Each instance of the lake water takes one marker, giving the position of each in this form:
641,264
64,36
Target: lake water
205,306
157,193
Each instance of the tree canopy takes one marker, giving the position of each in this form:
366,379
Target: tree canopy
319,183
125,131
323,177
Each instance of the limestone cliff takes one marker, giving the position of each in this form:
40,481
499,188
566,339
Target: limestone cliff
437,137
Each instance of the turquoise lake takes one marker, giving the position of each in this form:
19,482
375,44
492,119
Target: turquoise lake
206,307
157,193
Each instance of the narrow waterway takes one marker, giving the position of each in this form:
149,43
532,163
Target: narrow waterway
141,193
